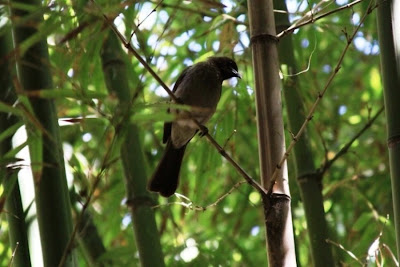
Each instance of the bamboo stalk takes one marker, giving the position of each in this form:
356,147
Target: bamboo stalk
280,240
308,179
389,43
139,199
51,191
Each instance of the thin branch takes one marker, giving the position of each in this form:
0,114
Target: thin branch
11,263
317,8
351,254
189,203
229,138
105,164
326,151
188,9
148,15
347,146
308,65
128,46
320,95
392,256
313,19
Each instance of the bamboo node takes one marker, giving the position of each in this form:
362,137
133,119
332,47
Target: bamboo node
264,37
393,141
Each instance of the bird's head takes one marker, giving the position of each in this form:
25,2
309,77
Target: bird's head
227,67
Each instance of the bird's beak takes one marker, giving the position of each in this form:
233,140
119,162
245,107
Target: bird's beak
236,73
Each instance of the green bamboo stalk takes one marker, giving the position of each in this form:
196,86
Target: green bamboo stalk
51,191
280,240
309,180
139,199
17,229
389,43
91,242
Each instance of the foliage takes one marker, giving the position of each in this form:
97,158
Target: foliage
173,34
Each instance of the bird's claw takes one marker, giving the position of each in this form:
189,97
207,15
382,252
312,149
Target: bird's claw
203,131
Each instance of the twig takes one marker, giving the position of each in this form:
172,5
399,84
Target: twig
148,15
314,9
128,46
326,151
347,146
313,19
387,248
308,65
105,164
195,10
320,95
189,203
13,255
351,254
229,138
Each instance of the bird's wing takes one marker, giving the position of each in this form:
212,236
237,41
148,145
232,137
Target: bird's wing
167,131
180,78
167,125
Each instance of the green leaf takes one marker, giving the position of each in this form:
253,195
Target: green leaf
10,109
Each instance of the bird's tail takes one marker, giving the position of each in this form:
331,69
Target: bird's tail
166,177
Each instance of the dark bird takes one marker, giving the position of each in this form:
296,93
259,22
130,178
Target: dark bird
199,86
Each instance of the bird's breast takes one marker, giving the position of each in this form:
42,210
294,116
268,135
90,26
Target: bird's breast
200,89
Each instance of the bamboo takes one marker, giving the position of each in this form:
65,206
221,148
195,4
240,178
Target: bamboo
139,199
51,191
309,180
389,43
90,241
17,228
280,241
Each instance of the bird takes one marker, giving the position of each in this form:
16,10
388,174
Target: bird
198,86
